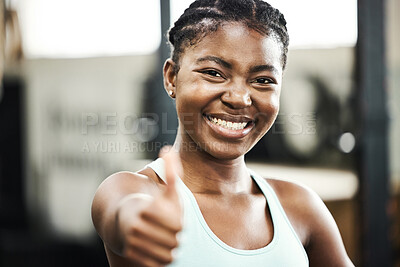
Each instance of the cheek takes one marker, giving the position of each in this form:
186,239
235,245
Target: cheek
194,95
267,113
274,102
189,103
269,106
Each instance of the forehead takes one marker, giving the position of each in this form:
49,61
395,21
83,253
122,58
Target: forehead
239,44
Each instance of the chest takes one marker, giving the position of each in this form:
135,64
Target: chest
242,222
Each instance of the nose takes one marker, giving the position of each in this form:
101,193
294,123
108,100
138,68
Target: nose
237,97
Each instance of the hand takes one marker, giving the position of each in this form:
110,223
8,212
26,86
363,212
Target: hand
150,238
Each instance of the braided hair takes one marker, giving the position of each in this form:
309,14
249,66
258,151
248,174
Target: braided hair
205,16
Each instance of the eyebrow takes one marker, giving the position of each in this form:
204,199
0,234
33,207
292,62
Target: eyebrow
216,60
266,67
259,68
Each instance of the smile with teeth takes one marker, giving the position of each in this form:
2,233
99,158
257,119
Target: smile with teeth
230,125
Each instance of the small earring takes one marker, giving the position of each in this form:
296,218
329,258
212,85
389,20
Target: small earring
248,100
171,93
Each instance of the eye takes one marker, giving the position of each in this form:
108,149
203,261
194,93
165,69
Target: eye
213,73
264,81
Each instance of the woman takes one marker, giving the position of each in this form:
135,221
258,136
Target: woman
199,205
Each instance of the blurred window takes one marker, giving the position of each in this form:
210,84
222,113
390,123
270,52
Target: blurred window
85,28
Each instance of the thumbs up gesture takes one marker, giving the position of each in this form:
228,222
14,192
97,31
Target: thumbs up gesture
173,169
150,239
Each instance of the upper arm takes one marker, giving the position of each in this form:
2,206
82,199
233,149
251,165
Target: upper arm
325,245
314,224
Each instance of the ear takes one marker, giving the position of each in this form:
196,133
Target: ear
169,77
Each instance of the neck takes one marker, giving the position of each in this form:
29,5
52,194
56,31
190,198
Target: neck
205,174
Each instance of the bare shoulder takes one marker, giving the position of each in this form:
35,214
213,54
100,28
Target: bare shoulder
312,222
298,200
125,182
288,191
119,185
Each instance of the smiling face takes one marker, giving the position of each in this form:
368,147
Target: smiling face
227,90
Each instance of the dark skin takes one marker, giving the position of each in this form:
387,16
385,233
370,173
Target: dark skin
236,74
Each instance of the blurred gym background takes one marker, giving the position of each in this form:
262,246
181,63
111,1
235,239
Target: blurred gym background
82,97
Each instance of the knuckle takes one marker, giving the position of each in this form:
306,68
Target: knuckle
141,260
167,258
148,211
174,243
179,227
151,263
135,229
128,253
152,211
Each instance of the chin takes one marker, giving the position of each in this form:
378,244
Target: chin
225,151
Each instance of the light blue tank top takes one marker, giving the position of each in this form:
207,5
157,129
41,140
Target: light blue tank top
200,247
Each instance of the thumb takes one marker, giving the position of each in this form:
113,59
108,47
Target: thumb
172,169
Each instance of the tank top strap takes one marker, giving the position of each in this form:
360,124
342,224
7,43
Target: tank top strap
158,167
275,206
269,193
